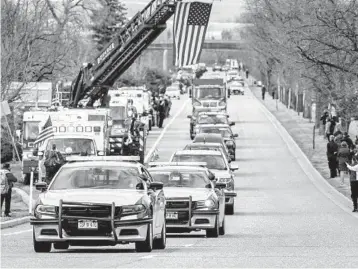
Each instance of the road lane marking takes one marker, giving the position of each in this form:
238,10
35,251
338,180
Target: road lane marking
148,257
150,153
19,232
188,245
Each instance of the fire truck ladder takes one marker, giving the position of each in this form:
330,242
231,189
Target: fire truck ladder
124,48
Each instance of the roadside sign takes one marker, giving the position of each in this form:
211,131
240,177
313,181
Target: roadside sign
5,109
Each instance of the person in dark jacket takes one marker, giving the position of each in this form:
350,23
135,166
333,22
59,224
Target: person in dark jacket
332,150
354,181
263,91
349,141
6,196
53,162
161,111
343,157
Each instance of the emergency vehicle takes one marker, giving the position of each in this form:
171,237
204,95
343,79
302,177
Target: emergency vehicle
209,93
87,122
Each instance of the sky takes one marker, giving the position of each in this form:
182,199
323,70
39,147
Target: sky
223,11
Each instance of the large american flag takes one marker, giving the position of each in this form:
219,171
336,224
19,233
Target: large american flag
46,132
189,30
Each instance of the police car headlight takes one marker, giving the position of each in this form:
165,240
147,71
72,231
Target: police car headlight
196,103
222,103
225,180
206,204
45,212
229,143
136,211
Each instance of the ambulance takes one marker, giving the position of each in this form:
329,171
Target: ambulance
86,123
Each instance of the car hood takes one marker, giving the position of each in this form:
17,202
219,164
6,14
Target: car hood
197,194
221,173
119,197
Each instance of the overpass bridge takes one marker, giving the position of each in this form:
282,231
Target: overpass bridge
208,45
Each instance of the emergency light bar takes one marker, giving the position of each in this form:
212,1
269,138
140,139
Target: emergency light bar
154,164
103,158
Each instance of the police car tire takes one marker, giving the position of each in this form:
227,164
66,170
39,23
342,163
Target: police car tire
230,209
147,245
222,228
41,247
160,243
214,232
150,125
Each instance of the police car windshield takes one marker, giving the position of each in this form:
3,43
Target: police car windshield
225,132
175,178
212,119
212,161
70,178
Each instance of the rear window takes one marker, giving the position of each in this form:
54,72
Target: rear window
213,161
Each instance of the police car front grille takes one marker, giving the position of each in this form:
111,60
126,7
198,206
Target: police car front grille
70,226
99,212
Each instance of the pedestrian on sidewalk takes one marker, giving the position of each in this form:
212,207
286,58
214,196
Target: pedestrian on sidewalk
263,91
349,141
354,181
338,128
7,182
332,150
324,118
343,158
247,73
330,128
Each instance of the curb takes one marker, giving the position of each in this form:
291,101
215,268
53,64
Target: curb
307,167
14,222
17,221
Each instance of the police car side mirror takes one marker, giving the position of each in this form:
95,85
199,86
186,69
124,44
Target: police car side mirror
35,152
189,117
41,186
156,186
234,167
236,135
232,123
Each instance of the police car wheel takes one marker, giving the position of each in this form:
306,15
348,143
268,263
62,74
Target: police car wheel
147,245
222,228
41,247
214,232
229,209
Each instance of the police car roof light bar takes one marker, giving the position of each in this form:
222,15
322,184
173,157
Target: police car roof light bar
154,164
103,158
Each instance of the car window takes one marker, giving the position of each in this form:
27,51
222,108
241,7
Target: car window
213,161
225,132
175,178
212,119
96,178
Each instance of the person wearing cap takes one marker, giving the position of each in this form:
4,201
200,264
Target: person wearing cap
332,149
354,181
7,182
349,141
161,110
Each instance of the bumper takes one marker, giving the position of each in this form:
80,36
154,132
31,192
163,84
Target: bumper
122,232
198,220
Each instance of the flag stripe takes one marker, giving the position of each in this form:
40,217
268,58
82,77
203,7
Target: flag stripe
190,25
46,132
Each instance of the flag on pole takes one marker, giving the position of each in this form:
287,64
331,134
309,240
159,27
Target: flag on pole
189,30
46,132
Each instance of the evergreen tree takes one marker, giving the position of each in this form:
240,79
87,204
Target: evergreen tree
107,21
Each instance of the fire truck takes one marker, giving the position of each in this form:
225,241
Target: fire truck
95,79
209,93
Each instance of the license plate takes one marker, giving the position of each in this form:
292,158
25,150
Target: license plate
87,225
172,216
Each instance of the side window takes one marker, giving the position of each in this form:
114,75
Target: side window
145,171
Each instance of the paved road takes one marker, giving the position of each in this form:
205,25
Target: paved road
281,219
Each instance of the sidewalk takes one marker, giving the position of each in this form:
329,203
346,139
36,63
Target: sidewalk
301,131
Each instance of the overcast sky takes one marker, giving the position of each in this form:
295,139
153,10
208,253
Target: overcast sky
223,11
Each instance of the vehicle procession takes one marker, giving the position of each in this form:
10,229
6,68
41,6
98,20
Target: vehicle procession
103,195
86,154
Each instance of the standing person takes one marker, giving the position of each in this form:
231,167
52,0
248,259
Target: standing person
324,119
349,141
354,182
331,124
338,127
332,150
343,157
7,182
263,91
247,73
53,162
161,110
